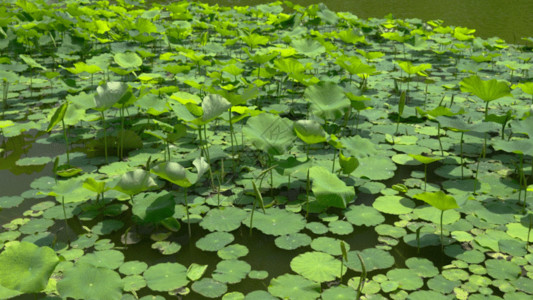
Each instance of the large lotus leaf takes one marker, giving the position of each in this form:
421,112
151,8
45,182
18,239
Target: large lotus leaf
110,259
363,215
310,131
231,271
84,281
407,279
522,126
209,288
396,205
328,101
295,287
486,90
128,60
31,62
375,168
108,94
134,182
502,269
329,190
340,292
422,266
214,241
308,47
173,172
223,219
153,207
316,266
213,105
276,221
232,251
354,65
26,267
166,277
270,133
58,115
70,191
438,199
328,245
409,68
373,258
292,241
515,146
359,147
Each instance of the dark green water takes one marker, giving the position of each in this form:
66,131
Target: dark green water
510,20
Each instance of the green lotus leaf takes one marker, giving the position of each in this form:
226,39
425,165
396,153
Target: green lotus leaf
375,168
502,269
134,182
6,124
36,225
329,190
423,295
469,256
348,163
31,62
292,241
84,281
209,288
270,133
328,101
328,245
442,285
70,191
340,227
111,259
196,271
233,251
395,205
166,277
389,230
231,271
128,60
58,116
153,207
515,146
33,161
10,201
133,283
486,90
316,266
409,68
110,93
6,293
424,159
308,47
518,230
133,267
26,267
310,131
363,215
373,258
339,292
214,241
407,279
438,199
422,266
223,219
296,287
214,105
433,214
276,221
354,65
166,247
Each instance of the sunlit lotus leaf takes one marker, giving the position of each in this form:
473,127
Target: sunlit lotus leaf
487,90
80,67
290,66
425,159
214,241
310,131
526,87
354,65
438,199
277,221
110,259
134,182
363,215
328,101
70,191
339,292
58,115
26,267
223,219
109,93
209,288
296,287
329,190
33,161
328,245
407,279
409,68
166,277
292,241
373,258
31,62
232,251
231,271
308,47
316,266
422,266
196,271
153,207
84,281
166,247
270,133
6,123
375,168
213,105
253,40
133,267
128,60
502,269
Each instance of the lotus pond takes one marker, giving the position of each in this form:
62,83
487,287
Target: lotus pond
277,151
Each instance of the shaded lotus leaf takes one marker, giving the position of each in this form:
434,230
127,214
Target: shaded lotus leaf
339,292
276,221
515,146
433,214
373,258
36,225
328,101
486,90
442,285
292,241
110,93
213,105
363,215
524,126
231,271
31,62
395,205
469,256
296,287
310,131
438,199
153,207
214,241
26,267
107,226
348,163
166,247
84,281
209,288
128,60
390,230
133,267
134,182
70,191
502,269
316,266
329,190
223,219
166,277
270,133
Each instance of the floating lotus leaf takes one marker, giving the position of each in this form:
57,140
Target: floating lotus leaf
407,279
84,281
196,271
233,251
502,269
111,259
209,288
133,267
328,245
166,247
316,266
223,219
432,214
442,285
133,283
329,190
270,133
363,215
166,277
340,227
518,230
276,221
328,101
339,292
107,226
469,256
214,241
231,271
26,267
288,286
36,225
373,258
375,168
389,230
292,241
422,266
395,205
